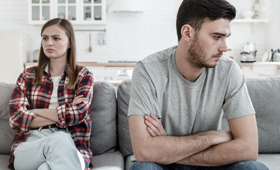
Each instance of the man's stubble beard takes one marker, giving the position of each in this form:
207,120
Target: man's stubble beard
196,55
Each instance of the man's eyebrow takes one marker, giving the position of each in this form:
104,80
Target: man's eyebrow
220,34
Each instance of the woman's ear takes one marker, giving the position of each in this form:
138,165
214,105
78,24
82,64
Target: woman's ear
69,46
187,32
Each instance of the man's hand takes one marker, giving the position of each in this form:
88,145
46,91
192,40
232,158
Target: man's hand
154,126
79,99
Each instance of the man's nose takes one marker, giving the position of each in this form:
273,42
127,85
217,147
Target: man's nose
223,47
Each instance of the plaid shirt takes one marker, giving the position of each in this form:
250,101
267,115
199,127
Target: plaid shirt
75,117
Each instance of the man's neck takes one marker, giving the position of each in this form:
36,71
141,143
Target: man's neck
188,71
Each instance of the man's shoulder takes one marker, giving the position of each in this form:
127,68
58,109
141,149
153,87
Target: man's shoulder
159,56
155,66
226,64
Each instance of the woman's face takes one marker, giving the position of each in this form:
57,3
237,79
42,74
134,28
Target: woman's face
55,42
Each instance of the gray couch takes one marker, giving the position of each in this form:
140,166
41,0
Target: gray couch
110,139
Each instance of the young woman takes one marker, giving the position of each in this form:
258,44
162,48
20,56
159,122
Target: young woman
50,106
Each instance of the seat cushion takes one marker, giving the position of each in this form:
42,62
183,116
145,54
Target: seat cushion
103,113
6,132
108,161
265,96
123,129
270,160
4,160
129,161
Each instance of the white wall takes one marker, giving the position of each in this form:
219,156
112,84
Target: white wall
273,26
134,36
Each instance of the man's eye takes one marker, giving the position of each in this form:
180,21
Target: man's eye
217,37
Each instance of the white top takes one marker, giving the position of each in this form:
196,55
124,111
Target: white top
54,99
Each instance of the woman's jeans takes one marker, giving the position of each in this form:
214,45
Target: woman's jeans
47,149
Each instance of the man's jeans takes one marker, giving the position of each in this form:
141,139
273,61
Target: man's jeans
246,165
47,149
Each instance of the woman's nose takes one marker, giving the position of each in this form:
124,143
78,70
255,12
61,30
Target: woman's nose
49,42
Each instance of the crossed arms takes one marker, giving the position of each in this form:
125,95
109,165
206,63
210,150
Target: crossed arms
68,114
50,116
211,148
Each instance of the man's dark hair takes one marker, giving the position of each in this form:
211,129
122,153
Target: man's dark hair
196,12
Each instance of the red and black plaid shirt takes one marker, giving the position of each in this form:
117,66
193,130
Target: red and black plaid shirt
75,117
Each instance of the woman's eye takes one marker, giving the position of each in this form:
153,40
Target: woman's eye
44,38
56,38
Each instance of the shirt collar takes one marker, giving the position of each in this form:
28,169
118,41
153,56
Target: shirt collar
66,70
47,69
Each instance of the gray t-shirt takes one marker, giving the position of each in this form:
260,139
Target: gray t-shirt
186,107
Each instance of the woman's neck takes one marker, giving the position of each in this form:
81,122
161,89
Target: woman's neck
57,67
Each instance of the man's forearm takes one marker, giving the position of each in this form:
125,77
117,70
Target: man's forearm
223,154
243,147
170,149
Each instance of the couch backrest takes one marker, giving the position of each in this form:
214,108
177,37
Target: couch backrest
7,134
103,112
265,96
123,128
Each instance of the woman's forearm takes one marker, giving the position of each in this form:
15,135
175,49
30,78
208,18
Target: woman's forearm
39,121
50,114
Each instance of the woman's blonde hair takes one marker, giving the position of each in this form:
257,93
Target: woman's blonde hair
73,71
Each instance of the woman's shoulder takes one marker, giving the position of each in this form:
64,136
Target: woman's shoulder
29,72
84,73
84,70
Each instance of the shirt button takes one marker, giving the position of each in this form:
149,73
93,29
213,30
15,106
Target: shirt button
49,92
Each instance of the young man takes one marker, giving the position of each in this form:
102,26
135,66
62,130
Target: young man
177,98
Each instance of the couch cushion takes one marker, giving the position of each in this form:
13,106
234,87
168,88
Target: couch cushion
270,160
6,132
103,112
123,129
4,160
265,96
108,161
129,161
6,91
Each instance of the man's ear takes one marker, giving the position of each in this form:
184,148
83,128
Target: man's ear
187,32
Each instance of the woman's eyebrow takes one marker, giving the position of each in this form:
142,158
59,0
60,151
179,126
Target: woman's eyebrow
51,35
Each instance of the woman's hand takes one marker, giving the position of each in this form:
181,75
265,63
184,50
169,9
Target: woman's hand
79,99
154,126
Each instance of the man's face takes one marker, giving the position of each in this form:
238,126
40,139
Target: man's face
209,43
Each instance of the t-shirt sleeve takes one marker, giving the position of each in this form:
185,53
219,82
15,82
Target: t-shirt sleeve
237,101
143,95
